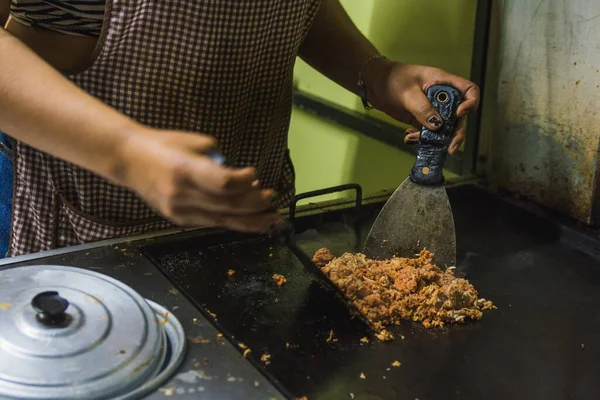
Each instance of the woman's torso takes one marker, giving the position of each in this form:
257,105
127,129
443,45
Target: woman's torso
63,34
73,17
66,53
222,68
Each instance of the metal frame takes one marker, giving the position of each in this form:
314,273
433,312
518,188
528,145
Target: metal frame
478,70
316,193
464,162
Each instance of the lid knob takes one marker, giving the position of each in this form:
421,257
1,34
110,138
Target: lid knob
50,308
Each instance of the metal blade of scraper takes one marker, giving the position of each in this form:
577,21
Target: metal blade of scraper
414,218
418,215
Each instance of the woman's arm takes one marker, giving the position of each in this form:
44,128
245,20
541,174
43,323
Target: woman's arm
335,47
40,107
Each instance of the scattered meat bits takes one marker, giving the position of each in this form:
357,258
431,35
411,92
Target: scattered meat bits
582,346
396,364
287,345
384,335
362,376
231,272
364,340
164,321
265,358
279,279
402,288
331,338
245,348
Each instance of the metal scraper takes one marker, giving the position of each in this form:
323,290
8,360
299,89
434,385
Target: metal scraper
418,215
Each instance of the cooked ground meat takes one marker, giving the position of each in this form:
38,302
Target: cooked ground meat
402,288
266,357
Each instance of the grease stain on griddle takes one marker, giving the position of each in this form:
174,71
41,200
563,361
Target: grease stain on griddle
192,377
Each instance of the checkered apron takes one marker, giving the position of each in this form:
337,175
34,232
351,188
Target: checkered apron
220,67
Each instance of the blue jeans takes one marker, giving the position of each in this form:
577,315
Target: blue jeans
6,191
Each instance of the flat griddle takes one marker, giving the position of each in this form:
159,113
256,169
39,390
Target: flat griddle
543,342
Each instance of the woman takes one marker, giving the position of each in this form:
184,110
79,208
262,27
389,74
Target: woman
117,143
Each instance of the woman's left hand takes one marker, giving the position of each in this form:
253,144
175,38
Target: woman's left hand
399,90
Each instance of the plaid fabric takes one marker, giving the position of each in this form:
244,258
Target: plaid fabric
222,68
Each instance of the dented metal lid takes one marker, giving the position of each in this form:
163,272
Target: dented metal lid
69,333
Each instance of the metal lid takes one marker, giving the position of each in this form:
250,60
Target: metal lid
69,333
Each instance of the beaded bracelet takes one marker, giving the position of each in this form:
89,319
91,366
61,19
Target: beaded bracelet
362,88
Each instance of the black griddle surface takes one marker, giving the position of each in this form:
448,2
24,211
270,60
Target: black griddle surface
530,348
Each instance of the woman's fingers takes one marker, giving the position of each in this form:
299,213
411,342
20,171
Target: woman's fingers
255,223
412,136
419,106
250,202
205,174
459,137
469,90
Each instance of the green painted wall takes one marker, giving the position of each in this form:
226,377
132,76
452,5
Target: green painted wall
325,154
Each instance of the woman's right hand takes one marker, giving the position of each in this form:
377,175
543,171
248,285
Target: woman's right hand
171,171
